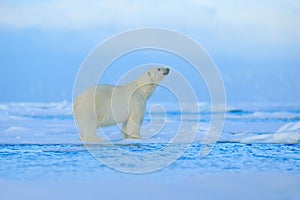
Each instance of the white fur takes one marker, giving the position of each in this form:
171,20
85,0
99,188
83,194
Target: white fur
107,105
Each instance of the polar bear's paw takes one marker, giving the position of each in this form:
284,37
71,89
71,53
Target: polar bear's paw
127,136
93,139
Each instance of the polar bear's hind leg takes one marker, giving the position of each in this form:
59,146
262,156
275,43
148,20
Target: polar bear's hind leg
87,131
87,126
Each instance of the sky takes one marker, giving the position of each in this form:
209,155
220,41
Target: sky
254,44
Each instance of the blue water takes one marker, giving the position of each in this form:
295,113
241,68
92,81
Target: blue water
74,162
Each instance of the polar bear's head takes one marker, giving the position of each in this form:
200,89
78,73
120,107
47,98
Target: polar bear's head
146,84
157,74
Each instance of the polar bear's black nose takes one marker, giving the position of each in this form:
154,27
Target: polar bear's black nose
166,71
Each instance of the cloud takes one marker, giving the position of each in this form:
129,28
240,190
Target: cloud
265,21
78,14
51,14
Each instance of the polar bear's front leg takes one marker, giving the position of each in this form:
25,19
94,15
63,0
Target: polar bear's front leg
124,129
132,127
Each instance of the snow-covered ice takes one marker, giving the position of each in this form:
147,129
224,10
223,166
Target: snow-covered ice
256,156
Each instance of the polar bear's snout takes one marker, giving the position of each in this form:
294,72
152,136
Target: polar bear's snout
166,71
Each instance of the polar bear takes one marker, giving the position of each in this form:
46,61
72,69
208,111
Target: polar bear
107,105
